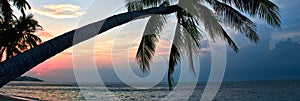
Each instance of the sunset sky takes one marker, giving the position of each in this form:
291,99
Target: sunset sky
61,16
263,61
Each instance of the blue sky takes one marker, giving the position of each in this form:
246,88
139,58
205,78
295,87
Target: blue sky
274,57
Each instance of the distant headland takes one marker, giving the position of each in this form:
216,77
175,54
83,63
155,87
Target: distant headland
27,78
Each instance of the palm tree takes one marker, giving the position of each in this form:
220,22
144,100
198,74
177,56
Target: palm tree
16,66
194,13
18,36
16,33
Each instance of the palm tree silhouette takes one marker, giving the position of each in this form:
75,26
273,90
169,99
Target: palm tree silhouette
264,9
16,34
207,13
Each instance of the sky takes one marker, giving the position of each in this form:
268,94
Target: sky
273,58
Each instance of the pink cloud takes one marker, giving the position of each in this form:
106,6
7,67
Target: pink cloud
45,34
60,61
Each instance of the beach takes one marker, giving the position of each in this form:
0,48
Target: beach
8,98
4,97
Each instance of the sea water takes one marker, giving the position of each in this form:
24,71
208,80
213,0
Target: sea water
288,90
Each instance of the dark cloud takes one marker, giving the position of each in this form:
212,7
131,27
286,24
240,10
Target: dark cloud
260,63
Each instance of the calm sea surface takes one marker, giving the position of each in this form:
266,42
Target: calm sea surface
236,91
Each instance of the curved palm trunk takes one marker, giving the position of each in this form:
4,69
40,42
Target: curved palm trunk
18,65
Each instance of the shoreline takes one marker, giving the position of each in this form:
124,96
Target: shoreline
9,98
14,98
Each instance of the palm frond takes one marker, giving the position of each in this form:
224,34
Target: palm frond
32,40
133,5
146,51
6,10
235,19
186,40
191,43
175,53
187,7
151,3
189,23
190,51
212,26
150,37
263,9
2,49
173,60
11,51
21,4
28,24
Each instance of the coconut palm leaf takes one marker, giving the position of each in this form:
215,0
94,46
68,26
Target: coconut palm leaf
21,5
173,59
6,10
146,49
175,53
27,24
264,9
186,40
212,26
1,52
133,5
191,37
150,36
235,19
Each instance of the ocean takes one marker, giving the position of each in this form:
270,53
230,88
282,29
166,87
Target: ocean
288,90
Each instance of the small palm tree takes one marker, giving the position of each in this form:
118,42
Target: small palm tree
210,14
16,34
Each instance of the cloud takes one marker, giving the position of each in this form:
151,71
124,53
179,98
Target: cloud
275,39
59,11
45,34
